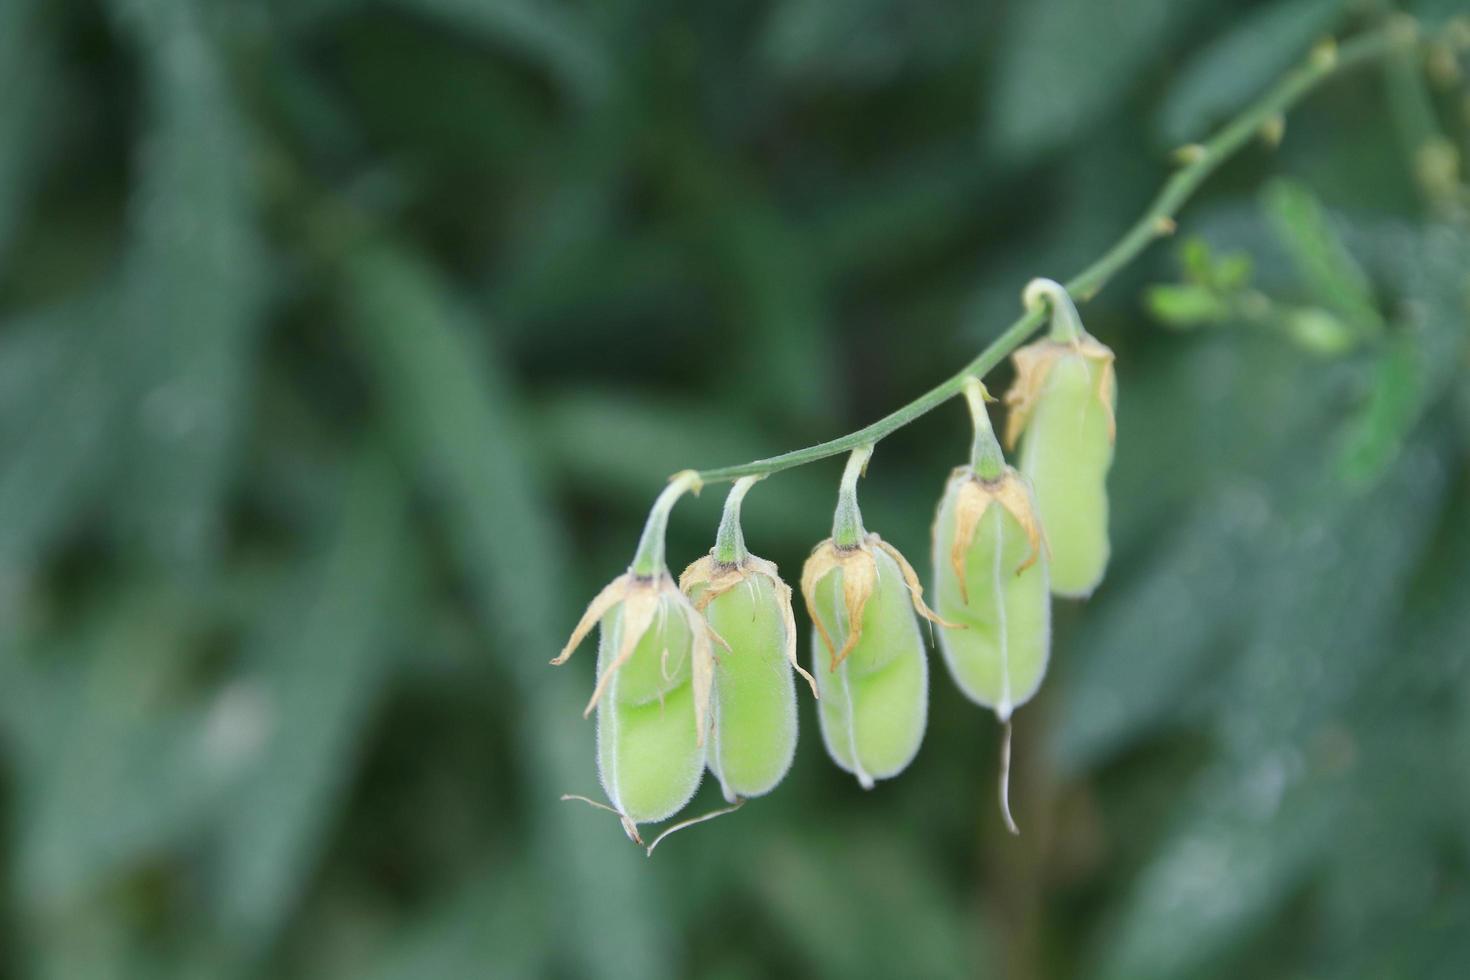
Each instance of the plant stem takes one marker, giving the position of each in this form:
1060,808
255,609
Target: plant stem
1199,161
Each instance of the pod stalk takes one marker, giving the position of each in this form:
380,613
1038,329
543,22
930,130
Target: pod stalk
847,522
649,561
1066,325
730,540
986,459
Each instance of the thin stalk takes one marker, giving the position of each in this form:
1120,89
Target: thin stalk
847,522
1199,161
649,560
730,541
1066,324
986,459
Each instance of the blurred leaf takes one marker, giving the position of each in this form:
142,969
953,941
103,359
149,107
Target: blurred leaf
1395,398
447,402
1426,352
191,292
553,35
1330,274
481,926
1190,589
1317,331
58,425
620,442
862,44
1065,65
774,292
1257,821
1219,80
31,81
824,903
318,667
1184,306
116,772
1237,852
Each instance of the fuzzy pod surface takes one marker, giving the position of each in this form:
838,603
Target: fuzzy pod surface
990,574
869,659
753,738
1062,406
650,757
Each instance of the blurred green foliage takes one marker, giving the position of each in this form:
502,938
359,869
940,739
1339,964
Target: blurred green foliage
344,343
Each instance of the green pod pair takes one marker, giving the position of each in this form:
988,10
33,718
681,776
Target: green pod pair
1062,406
650,757
868,655
990,574
753,702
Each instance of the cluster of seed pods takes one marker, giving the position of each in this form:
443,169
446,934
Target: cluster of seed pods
702,674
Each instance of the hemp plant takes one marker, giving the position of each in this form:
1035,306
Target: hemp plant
702,674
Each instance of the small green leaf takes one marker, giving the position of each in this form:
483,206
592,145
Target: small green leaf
1233,272
1197,260
1318,331
1376,434
1184,306
1330,274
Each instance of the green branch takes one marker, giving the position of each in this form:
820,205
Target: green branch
1198,162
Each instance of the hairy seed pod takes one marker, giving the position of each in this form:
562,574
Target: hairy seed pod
990,574
655,667
1061,408
867,649
649,754
753,738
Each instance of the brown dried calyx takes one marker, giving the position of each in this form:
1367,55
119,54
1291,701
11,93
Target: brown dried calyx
975,495
709,578
859,570
1033,365
642,597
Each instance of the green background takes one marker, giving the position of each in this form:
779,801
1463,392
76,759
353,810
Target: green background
343,346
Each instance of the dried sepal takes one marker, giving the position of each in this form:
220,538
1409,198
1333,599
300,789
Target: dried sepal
783,596
640,604
975,497
859,578
911,579
1105,394
711,579
702,664
1033,365
610,596
706,579
643,600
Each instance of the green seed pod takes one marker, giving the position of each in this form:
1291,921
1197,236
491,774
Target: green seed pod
990,573
655,667
864,600
649,754
990,576
1062,406
753,738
